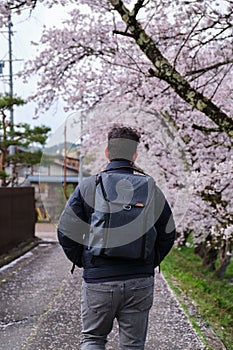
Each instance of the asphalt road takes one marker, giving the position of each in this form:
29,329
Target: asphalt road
40,307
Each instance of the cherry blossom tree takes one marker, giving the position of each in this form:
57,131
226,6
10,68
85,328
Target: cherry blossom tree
173,57
194,30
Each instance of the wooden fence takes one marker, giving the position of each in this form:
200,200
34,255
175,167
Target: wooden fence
17,216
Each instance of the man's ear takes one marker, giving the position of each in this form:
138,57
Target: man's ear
134,156
106,153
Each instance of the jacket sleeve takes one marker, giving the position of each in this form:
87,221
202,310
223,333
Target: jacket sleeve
72,227
72,249
165,227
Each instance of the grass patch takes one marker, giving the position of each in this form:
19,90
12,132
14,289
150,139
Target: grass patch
213,298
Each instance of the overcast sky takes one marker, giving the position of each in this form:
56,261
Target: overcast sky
26,28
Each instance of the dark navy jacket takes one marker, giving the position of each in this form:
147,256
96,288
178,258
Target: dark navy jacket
74,225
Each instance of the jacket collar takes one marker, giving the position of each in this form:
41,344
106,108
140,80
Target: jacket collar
120,163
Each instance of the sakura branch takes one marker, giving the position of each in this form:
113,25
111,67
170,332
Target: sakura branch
164,70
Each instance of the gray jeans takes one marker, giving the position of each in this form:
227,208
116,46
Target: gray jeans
127,301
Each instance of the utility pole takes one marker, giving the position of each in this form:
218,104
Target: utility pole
11,148
10,33
10,93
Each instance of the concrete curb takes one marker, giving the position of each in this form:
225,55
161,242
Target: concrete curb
21,249
17,251
45,233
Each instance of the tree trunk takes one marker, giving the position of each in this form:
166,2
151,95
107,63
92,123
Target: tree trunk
208,254
225,255
2,167
210,259
221,270
200,250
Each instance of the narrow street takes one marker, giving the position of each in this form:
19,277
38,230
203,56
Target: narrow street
40,307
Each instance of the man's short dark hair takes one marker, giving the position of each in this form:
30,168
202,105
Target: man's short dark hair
122,142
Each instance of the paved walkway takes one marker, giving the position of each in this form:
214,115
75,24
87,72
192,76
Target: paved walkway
40,306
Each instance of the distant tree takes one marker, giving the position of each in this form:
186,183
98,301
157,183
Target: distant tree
20,136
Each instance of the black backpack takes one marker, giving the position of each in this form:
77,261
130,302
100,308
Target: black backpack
122,223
